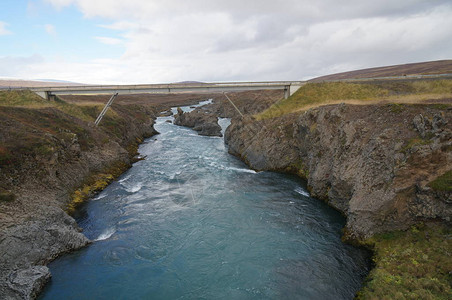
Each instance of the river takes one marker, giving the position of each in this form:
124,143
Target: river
193,222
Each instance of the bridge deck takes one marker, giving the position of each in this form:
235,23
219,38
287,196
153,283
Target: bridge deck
164,88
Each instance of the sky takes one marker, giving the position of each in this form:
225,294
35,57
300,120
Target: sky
150,41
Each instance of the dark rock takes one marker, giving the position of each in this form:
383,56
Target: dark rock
180,112
209,129
166,113
28,282
204,122
36,242
419,124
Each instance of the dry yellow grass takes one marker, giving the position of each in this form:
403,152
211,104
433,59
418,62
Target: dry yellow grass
28,99
316,94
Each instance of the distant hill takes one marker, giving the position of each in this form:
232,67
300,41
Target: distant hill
423,68
15,83
189,82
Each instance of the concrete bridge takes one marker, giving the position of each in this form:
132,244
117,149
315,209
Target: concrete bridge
49,93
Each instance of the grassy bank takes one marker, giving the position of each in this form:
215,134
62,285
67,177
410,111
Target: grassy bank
40,135
316,94
412,264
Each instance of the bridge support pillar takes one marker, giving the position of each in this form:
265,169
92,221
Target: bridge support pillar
286,92
50,96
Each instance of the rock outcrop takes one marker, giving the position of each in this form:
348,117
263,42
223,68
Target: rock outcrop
204,123
374,163
28,282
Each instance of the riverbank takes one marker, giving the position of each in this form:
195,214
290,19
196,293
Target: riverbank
385,166
52,157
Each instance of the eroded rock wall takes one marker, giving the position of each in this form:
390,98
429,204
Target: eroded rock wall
374,163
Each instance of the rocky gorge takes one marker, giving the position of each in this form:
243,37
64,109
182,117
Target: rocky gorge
381,165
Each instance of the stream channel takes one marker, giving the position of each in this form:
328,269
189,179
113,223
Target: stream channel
193,222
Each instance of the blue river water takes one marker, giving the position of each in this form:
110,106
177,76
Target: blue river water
193,222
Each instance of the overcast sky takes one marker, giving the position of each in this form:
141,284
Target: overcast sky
150,41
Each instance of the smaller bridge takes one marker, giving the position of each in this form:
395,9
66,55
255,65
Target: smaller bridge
49,93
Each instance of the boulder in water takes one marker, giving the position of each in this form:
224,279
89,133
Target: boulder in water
203,122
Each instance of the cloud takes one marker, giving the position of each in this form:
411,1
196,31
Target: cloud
108,40
59,4
260,40
16,66
50,29
32,9
239,9
3,30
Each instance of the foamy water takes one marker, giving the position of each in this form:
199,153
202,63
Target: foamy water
301,191
105,235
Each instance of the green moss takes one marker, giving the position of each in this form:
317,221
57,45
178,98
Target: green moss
313,128
443,182
94,184
414,142
297,168
7,196
5,156
44,150
412,264
395,107
132,148
440,106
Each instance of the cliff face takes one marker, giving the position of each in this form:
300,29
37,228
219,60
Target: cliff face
375,163
45,155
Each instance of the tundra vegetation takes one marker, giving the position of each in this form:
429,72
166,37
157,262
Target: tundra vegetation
393,92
